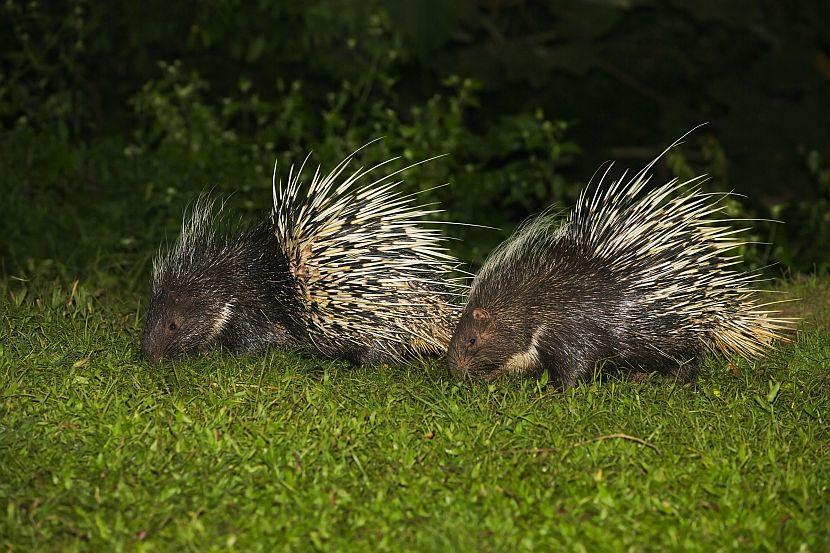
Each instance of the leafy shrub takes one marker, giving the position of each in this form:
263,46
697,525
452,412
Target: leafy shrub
115,116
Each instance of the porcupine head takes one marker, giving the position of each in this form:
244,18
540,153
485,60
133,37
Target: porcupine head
229,288
492,338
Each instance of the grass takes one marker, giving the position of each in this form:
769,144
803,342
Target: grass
100,451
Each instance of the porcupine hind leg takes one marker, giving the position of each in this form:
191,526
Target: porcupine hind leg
676,355
373,354
681,366
688,369
681,371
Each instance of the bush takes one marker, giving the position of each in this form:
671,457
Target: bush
116,116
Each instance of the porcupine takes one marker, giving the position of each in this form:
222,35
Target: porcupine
632,280
343,267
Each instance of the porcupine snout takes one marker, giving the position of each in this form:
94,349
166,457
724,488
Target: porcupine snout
153,355
459,358
458,365
151,350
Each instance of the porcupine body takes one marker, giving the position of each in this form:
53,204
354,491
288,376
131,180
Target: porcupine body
346,266
633,279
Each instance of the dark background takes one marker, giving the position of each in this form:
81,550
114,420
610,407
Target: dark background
115,116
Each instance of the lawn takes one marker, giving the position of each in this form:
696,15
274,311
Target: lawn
99,450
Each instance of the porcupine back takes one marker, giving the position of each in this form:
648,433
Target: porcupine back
669,245
373,274
642,278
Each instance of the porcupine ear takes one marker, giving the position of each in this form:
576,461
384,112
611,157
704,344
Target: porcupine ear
481,314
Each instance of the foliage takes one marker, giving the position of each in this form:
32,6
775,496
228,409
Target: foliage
527,98
808,216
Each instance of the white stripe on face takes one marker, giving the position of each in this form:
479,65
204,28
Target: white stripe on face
526,361
221,320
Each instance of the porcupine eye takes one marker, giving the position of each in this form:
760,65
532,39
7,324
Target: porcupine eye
173,325
470,345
